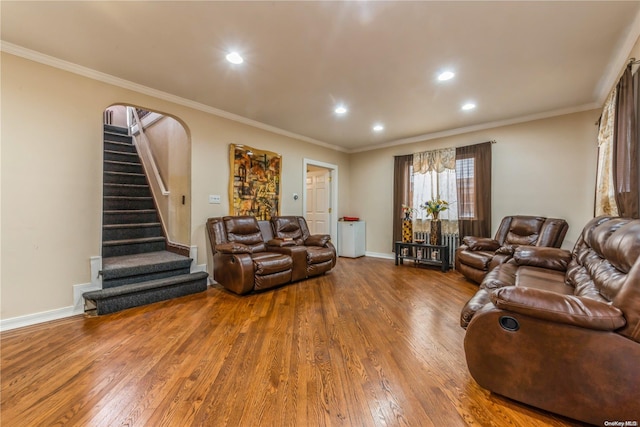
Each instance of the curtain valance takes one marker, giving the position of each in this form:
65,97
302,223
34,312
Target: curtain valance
434,161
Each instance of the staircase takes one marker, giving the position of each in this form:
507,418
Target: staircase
136,268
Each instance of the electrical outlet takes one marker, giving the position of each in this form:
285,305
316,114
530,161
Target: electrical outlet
214,199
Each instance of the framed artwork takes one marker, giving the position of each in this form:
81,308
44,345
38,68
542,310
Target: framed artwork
254,184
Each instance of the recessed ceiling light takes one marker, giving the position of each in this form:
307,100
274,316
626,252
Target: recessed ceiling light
446,75
340,109
234,58
378,127
469,106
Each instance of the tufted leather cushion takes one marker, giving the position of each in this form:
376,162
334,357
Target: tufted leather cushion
245,230
287,227
524,230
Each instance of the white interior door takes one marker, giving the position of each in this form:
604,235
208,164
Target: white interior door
318,209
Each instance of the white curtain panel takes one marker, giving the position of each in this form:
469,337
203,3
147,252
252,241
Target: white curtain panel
605,196
434,177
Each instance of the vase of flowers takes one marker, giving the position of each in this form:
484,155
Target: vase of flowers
433,208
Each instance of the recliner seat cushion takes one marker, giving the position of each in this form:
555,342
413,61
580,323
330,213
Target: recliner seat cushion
269,263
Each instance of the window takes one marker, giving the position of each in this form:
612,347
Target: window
465,176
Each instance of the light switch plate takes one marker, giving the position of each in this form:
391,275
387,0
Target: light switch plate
214,199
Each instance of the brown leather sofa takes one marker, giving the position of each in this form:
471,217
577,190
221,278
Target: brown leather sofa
479,255
241,262
560,330
247,257
315,252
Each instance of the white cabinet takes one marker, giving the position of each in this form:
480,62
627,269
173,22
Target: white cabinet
351,238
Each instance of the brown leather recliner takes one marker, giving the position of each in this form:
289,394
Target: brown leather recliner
479,255
560,330
241,262
315,252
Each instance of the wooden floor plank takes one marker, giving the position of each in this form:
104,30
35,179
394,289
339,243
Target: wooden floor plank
368,344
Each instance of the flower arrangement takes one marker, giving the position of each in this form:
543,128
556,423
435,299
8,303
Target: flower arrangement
435,206
407,211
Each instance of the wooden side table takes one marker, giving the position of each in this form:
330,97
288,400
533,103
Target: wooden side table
423,253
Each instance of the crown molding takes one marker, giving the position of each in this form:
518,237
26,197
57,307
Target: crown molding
61,64
483,126
126,84
618,62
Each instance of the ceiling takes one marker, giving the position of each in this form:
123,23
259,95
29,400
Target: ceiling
515,60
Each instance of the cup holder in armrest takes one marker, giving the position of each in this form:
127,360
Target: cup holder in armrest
509,323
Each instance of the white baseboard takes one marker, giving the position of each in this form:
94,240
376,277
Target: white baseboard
78,290
32,319
380,255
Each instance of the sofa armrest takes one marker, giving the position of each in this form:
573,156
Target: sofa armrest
554,307
538,256
480,243
279,243
317,240
233,248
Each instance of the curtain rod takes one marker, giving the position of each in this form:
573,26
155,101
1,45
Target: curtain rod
633,61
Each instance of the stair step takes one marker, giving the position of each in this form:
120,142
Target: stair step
140,267
119,166
133,241
118,298
127,202
112,177
123,247
121,156
113,136
120,146
130,190
129,216
116,129
115,232
144,224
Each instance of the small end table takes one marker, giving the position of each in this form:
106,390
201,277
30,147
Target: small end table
423,253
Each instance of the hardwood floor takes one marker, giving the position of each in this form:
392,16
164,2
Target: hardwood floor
369,344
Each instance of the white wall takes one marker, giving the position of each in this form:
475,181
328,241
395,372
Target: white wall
52,177
544,167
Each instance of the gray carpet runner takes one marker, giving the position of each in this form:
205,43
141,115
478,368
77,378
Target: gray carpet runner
136,268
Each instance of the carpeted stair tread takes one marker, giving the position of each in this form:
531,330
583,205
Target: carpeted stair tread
133,241
117,162
149,262
124,173
128,197
133,225
123,153
118,143
116,185
116,129
126,211
133,295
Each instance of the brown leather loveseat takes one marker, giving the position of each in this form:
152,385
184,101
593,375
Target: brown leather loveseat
476,256
315,252
560,330
247,257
